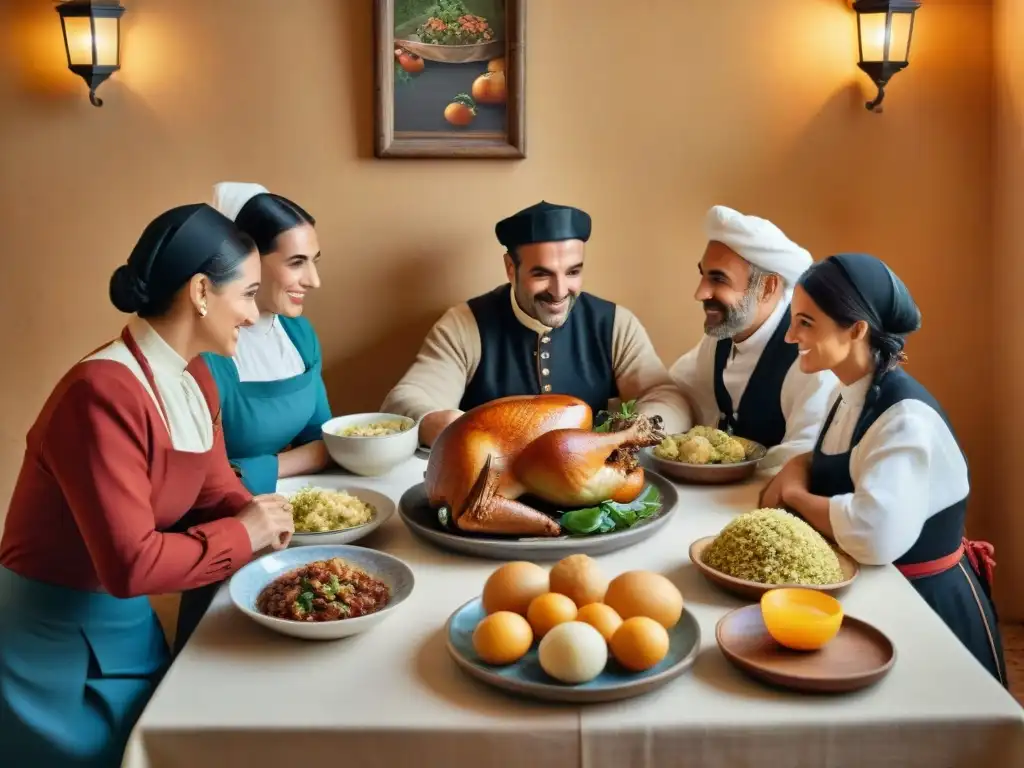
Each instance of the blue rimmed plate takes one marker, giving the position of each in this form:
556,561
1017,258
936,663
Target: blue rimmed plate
527,678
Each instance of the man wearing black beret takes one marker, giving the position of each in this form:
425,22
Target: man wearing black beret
538,333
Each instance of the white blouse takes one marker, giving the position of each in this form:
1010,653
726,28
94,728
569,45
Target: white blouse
906,468
266,353
804,397
188,417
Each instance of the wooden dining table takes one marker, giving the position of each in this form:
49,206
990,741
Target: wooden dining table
242,695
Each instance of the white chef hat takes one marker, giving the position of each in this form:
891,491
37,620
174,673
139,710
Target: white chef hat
758,241
229,197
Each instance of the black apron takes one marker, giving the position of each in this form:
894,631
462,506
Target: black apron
759,416
960,598
575,359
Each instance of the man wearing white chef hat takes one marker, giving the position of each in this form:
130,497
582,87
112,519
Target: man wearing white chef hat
743,377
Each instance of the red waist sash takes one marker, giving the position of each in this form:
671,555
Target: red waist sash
980,554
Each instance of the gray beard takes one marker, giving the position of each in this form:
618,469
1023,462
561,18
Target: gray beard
737,319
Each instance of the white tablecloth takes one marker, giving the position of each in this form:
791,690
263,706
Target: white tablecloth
240,695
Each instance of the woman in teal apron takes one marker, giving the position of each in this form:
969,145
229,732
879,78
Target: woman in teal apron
273,400
126,491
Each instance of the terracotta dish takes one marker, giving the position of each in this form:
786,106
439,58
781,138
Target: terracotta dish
752,590
859,655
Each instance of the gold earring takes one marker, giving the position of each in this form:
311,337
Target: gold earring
202,308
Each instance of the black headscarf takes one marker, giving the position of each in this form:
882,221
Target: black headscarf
174,247
543,223
881,291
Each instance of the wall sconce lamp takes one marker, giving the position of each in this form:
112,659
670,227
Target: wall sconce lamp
884,30
92,40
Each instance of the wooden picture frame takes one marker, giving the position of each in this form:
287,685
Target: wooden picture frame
415,117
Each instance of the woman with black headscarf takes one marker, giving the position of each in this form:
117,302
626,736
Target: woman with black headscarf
126,491
887,480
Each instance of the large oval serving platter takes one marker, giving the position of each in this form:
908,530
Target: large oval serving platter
383,506
526,677
417,514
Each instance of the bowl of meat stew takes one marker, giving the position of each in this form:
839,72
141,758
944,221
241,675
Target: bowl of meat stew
322,592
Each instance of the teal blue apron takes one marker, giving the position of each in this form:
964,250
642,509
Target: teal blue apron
76,670
260,419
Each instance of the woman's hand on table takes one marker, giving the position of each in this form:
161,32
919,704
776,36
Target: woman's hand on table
794,475
268,521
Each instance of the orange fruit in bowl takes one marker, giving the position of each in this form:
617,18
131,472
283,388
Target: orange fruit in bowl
579,577
639,643
645,593
502,638
513,586
801,619
549,610
601,617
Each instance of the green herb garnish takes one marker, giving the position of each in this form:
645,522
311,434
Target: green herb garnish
611,515
305,602
331,588
627,412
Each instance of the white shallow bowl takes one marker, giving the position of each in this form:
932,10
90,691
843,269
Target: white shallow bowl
247,583
370,456
384,506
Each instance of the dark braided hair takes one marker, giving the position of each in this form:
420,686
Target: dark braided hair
830,287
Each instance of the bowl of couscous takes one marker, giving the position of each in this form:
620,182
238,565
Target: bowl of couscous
371,444
766,549
329,509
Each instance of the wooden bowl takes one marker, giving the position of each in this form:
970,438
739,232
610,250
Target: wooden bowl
711,474
860,655
752,590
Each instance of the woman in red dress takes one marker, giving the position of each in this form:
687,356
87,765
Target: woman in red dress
126,491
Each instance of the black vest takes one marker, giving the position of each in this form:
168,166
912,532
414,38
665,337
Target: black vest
830,475
759,416
575,359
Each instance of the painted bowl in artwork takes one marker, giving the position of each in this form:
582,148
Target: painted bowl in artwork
453,54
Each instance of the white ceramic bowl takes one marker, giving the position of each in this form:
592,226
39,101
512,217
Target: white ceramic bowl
383,505
247,583
370,456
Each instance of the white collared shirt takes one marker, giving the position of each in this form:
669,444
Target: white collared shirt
532,323
188,417
906,468
266,353
803,398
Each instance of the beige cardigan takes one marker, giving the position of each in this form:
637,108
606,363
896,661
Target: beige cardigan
451,352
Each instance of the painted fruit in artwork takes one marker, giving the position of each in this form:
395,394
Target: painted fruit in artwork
489,88
496,65
409,61
461,110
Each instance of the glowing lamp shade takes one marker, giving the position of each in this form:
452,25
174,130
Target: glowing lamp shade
92,40
885,29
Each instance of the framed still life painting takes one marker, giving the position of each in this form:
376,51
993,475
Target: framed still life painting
449,78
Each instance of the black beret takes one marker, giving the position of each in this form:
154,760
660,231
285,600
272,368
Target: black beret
543,223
